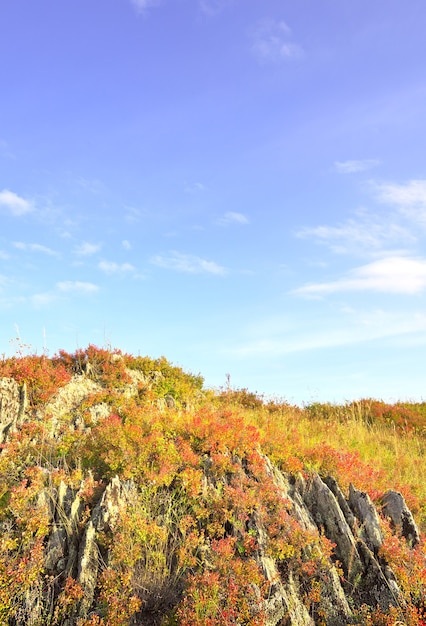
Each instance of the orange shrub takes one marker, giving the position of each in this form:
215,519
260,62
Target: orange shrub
43,376
229,593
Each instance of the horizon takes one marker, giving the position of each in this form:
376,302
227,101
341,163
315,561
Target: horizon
238,186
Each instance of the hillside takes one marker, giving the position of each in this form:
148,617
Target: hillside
130,494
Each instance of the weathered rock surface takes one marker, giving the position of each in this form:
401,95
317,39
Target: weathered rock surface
71,550
394,507
13,401
68,400
74,550
283,602
369,524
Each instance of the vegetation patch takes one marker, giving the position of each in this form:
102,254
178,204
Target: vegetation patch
208,530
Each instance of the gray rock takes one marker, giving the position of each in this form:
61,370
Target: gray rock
344,506
88,567
366,513
63,544
170,401
13,403
283,600
394,507
329,517
333,601
68,399
104,518
374,588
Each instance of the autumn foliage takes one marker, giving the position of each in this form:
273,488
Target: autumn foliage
186,547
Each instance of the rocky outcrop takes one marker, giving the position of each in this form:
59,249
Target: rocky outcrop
352,524
13,402
104,518
67,401
306,503
81,530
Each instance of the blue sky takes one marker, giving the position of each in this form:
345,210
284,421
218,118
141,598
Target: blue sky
237,185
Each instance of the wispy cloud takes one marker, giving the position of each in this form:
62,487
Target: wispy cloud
351,167
233,218
5,151
42,300
77,287
10,302
93,185
272,42
365,233
396,275
213,7
126,244
409,198
87,249
134,214
14,204
34,247
392,232
193,188
188,263
142,6
412,193
109,267
353,328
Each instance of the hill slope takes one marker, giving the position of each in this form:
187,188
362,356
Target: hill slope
131,495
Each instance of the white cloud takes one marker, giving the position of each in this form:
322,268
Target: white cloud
412,193
397,275
14,204
34,247
109,267
126,244
350,167
87,249
367,233
142,5
4,256
410,198
233,218
272,42
75,286
188,263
